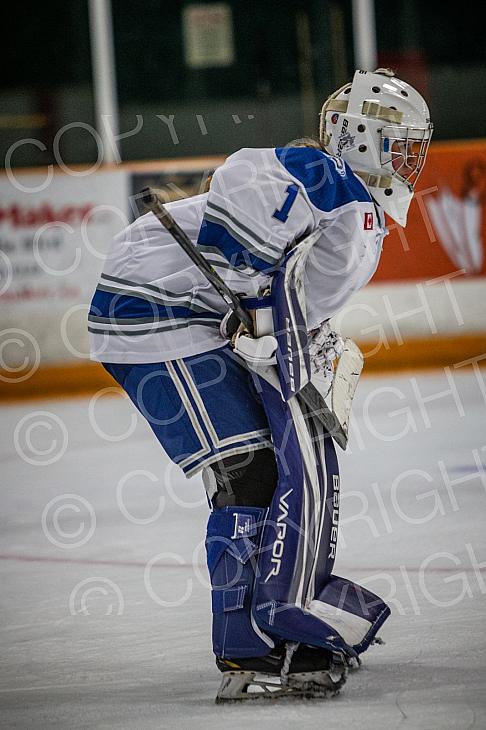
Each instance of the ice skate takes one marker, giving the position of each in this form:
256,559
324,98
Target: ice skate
311,673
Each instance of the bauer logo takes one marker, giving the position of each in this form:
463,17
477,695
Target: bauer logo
335,517
368,221
346,139
279,544
289,348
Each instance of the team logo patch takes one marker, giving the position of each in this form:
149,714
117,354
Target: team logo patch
334,118
368,221
339,165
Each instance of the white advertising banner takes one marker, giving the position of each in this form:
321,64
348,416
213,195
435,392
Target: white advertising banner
53,241
54,234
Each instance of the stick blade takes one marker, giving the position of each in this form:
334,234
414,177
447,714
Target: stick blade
346,378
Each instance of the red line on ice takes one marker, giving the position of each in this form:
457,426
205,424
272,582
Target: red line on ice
140,564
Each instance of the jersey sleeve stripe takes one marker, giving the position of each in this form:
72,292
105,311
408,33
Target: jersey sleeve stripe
137,285
249,235
216,259
134,288
168,300
175,324
215,234
264,252
114,306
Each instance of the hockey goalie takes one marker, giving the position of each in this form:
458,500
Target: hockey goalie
293,232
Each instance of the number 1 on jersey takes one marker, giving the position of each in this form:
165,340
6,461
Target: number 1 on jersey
283,213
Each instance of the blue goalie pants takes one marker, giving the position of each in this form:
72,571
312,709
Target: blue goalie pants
201,408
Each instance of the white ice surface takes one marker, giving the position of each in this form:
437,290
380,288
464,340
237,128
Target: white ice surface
87,637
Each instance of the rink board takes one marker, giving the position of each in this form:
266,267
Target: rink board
424,307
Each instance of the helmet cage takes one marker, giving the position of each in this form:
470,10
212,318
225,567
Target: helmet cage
399,154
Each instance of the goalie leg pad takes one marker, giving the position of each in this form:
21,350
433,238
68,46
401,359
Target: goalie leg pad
299,538
295,592
271,570
232,542
355,611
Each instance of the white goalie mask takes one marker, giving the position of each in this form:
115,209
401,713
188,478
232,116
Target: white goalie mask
381,127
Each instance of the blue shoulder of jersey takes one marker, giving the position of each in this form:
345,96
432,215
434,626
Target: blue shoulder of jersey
329,181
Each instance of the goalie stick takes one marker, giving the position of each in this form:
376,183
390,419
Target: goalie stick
350,364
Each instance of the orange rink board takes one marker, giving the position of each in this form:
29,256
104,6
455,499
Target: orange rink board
446,227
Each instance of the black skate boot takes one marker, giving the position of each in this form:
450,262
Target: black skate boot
294,670
270,664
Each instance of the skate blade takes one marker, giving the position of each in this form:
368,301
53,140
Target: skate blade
241,686
321,683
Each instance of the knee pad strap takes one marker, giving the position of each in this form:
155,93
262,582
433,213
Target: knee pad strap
246,479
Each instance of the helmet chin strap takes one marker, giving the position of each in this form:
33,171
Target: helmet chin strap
373,180
331,104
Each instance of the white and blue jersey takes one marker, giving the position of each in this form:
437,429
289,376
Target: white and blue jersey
152,303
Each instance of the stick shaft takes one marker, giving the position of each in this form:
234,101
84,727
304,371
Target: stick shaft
309,394
153,203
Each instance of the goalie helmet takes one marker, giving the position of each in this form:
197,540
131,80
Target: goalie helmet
381,127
